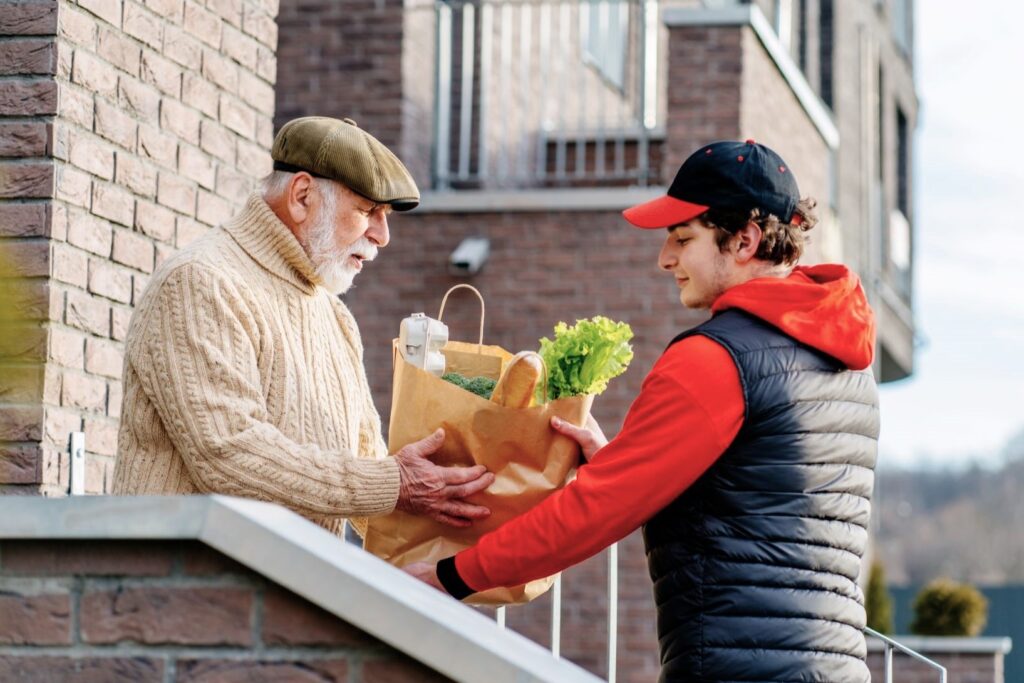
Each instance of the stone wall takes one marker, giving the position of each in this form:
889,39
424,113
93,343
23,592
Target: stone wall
128,128
163,612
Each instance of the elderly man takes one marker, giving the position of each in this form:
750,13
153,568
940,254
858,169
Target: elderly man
243,370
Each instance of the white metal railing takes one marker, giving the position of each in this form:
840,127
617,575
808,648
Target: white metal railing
891,645
613,613
76,474
544,92
77,487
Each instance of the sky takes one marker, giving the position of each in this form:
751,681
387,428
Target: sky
966,397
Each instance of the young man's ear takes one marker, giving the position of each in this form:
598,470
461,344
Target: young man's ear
746,242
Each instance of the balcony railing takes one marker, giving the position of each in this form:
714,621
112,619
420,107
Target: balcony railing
544,93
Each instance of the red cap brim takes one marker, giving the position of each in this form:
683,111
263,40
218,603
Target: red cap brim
662,212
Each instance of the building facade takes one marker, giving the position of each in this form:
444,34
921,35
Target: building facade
128,128
533,124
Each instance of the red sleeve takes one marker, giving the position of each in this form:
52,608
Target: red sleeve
688,412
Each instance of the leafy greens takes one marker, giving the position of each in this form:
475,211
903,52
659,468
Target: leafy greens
582,358
481,386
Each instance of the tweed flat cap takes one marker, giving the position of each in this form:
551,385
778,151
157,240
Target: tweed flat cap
340,150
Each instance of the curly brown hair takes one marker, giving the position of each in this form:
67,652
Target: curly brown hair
781,243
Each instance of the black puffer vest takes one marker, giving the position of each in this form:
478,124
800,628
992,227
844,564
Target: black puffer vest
755,565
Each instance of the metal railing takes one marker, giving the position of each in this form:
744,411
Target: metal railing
536,93
613,613
891,645
76,474
613,609
77,487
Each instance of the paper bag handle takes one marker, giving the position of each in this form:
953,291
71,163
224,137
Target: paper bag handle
440,315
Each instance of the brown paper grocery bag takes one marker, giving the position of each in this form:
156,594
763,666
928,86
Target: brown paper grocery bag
528,458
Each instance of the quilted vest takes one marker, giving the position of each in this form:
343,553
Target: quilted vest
755,566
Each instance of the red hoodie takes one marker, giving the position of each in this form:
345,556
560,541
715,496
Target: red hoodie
689,410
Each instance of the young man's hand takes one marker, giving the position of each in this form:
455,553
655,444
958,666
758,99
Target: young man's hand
590,438
425,572
439,492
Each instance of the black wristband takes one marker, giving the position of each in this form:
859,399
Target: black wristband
449,577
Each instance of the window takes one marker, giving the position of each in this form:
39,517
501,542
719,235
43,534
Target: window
604,26
900,234
879,188
801,9
825,31
784,23
902,163
903,25
880,103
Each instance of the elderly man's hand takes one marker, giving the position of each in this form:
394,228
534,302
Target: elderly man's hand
425,572
439,492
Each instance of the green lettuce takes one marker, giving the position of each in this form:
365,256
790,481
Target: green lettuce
582,358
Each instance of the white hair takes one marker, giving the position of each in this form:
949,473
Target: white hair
274,184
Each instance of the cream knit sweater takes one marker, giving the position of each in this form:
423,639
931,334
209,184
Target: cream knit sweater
243,376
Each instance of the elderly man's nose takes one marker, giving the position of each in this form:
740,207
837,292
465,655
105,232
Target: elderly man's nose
379,233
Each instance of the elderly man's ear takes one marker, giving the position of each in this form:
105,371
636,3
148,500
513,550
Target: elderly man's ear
299,198
294,205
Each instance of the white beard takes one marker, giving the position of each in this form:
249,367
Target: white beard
330,263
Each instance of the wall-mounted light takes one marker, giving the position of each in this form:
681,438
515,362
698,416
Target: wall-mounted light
469,257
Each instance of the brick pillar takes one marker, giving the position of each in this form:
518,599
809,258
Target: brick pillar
705,69
127,130
370,61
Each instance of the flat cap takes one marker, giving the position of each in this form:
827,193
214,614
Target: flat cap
340,150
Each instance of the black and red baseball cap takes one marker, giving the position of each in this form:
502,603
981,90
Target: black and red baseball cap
729,175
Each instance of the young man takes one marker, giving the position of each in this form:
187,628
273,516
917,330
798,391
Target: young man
747,457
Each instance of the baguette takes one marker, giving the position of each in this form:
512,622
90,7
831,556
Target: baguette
516,386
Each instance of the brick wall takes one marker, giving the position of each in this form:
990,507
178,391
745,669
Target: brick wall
705,69
28,100
343,59
771,113
128,129
166,612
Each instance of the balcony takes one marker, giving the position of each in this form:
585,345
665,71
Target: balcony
545,94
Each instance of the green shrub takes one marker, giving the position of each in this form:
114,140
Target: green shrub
947,608
878,601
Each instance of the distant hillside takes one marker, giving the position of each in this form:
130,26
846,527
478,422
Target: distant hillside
965,524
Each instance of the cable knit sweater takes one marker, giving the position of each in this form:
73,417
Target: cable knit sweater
244,376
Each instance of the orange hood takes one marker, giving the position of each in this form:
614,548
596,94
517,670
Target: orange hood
821,306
